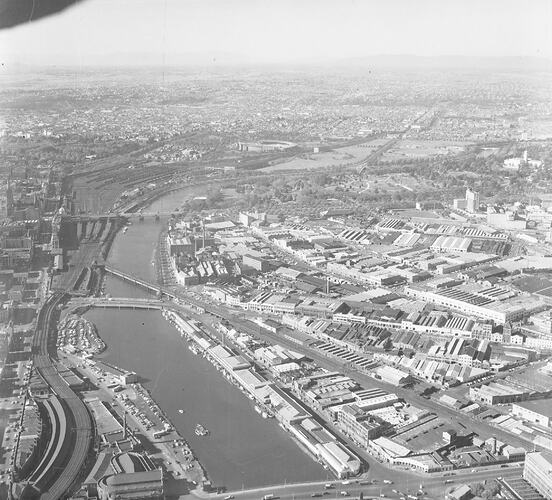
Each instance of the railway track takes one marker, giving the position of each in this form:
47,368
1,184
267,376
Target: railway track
58,473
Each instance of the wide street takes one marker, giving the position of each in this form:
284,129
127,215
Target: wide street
434,486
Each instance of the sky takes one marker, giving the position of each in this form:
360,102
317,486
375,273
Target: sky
279,31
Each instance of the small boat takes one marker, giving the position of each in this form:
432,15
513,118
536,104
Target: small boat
257,409
181,411
200,430
264,414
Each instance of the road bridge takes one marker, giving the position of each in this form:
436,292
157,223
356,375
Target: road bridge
109,217
91,218
156,289
119,303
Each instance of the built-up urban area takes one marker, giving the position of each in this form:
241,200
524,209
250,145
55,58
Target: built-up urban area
365,263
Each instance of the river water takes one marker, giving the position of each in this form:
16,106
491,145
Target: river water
242,450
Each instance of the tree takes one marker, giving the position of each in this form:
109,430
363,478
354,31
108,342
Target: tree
477,489
492,489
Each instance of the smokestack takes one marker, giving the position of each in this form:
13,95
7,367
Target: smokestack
327,285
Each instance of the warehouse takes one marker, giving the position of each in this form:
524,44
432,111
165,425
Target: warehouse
392,375
497,393
537,412
451,244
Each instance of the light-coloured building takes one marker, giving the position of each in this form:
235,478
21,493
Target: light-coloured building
537,412
359,425
538,472
132,486
472,201
392,375
497,393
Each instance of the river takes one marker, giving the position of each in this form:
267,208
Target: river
243,450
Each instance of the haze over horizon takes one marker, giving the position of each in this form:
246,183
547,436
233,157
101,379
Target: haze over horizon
146,32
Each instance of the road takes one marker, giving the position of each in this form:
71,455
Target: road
433,485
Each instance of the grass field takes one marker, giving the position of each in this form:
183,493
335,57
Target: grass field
412,149
338,156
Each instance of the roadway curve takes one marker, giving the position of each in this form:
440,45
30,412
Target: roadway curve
61,471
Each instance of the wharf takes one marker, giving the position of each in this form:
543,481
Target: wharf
144,418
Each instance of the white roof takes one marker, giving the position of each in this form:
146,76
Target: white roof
392,447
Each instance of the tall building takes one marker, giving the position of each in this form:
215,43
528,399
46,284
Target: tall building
9,198
538,472
472,201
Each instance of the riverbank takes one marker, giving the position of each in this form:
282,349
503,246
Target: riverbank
242,449
269,397
138,416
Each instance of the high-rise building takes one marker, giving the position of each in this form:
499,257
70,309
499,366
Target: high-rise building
538,472
472,201
9,198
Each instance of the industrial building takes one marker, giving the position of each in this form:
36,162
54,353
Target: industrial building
323,445
392,375
492,303
538,472
359,425
257,263
451,244
537,412
498,393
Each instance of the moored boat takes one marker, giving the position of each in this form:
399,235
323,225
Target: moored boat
200,430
